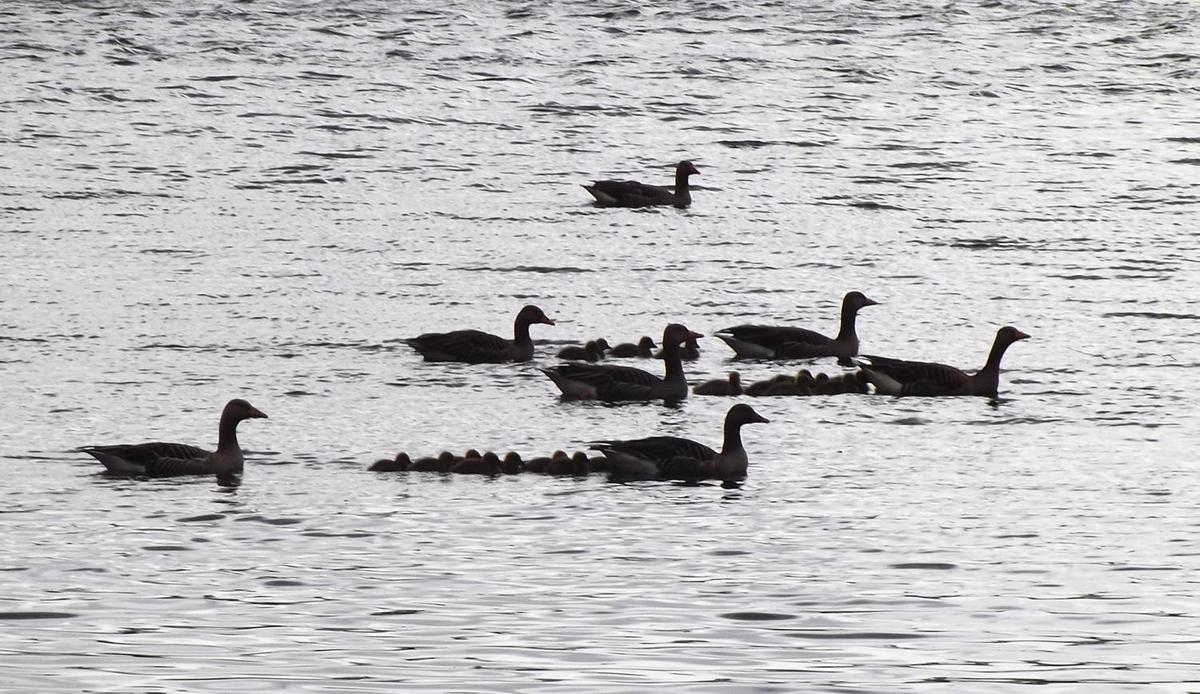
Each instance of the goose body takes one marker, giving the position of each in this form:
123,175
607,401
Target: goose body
615,383
478,347
778,342
671,457
399,464
690,351
442,463
644,349
592,350
635,194
489,464
721,386
160,459
916,378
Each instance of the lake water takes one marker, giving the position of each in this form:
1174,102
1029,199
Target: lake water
210,200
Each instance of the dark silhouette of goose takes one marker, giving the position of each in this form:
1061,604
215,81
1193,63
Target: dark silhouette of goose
592,350
899,377
613,383
634,194
690,351
775,342
159,459
721,386
478,347
670,457
643,349
442,463
488,464
398,464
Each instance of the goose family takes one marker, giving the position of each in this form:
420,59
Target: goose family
159,459
776,342
478,347
580,377
614,383
911,378
635,194
671,457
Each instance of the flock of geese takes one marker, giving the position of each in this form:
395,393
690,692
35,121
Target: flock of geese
582,377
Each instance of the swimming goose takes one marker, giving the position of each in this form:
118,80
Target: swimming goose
441,463
592,350
399,464
634,194
643,349
773,342
158,459
690,351
899,377
512,465
612,383
670,457
489,464
541,464
478,347
721,386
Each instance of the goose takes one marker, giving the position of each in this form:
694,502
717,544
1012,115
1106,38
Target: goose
634,194
489,464
158,459
721,386
542,464
592,350
612,383
441,463
690,351
643,349
764,387
899,377
478,347
670,457
399,464
772,342
512,464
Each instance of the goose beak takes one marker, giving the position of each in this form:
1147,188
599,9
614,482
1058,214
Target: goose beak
695,335
255,413
1020,335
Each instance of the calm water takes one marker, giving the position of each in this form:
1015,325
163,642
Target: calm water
208,200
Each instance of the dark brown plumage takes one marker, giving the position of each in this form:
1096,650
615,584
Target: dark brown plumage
477,347
635,194
915,378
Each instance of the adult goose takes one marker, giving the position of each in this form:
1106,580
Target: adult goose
773,342
644,349
634,194
670,457
158,459
690,351
899,377
612,383
478,347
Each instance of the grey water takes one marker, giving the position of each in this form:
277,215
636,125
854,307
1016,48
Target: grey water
208,200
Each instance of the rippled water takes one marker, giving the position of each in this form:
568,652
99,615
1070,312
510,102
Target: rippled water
207,200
